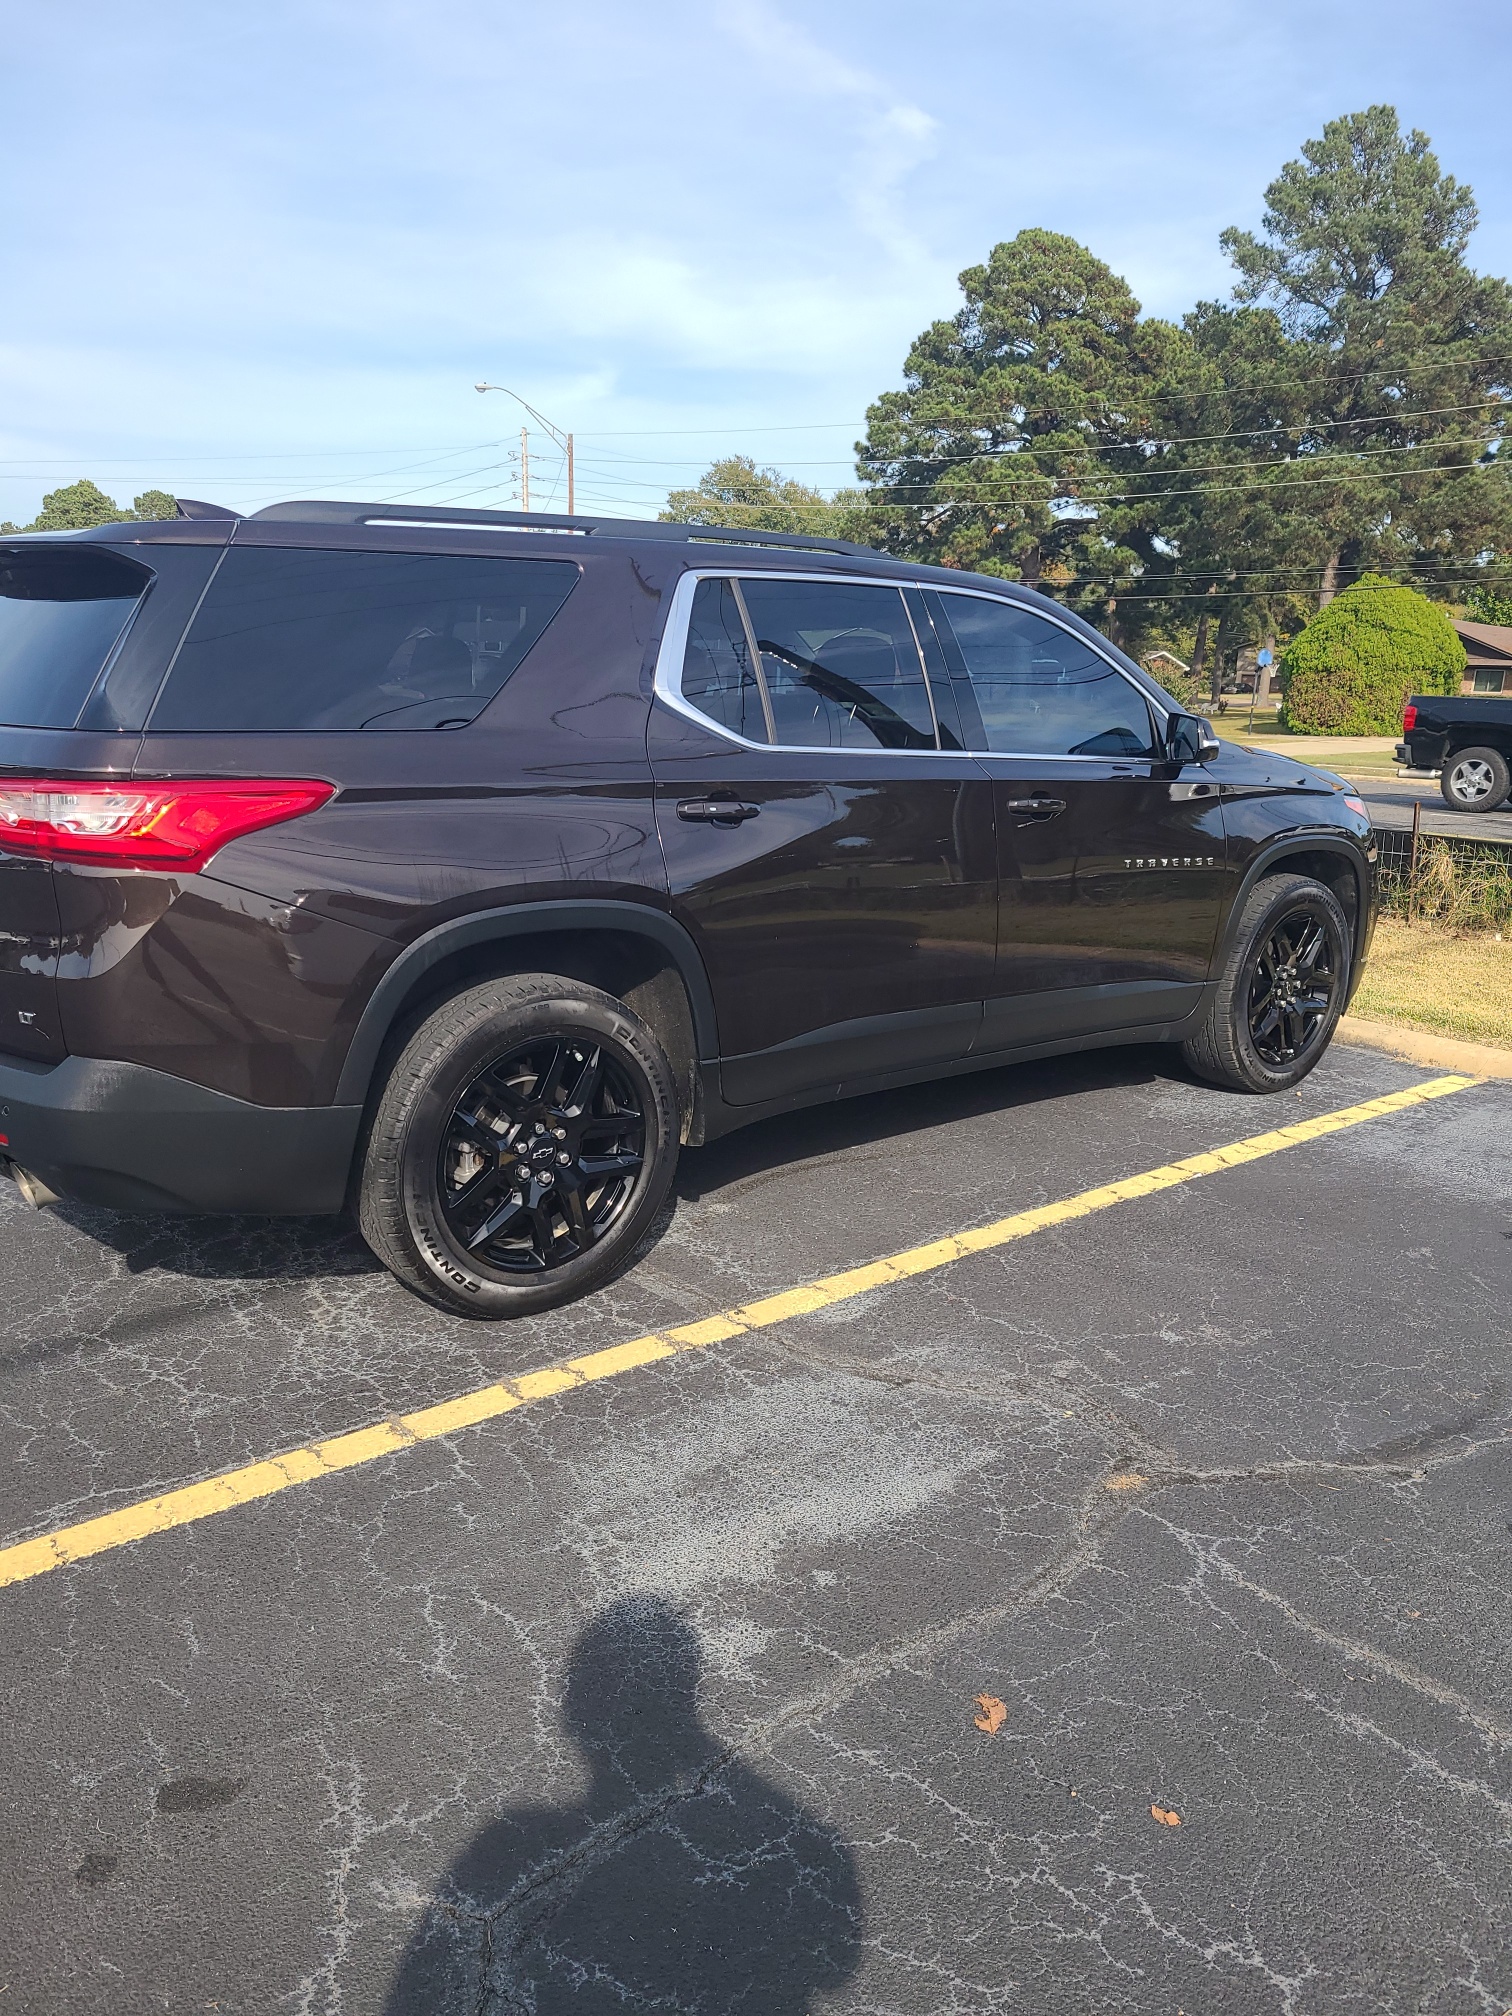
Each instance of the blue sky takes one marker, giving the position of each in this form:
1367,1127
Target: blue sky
265,252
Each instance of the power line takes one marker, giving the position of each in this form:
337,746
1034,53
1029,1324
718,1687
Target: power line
1160,442
1157,443
1340,378
1453,362
1191,469
1097,500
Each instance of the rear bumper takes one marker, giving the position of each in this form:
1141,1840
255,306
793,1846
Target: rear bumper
135,1139
1421,750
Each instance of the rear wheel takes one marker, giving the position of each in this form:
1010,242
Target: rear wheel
521,1146
1281,990
1475,780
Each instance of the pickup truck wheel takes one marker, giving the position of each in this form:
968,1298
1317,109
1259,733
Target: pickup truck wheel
1281,989
521,1146
1475,780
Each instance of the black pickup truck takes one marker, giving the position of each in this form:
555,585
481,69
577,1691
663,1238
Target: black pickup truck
1469,743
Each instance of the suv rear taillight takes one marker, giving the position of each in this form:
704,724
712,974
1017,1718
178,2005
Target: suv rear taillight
146,824
1409,718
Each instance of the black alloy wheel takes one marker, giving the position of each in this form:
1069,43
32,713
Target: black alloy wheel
541,1154
521,1147
1291,992
1279,989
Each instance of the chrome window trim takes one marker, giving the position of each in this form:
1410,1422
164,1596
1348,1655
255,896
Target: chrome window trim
667,679
758,670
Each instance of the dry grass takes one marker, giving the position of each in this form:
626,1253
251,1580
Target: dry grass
1465,890
1430,978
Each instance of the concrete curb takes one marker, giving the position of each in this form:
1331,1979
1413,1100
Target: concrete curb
1446,1053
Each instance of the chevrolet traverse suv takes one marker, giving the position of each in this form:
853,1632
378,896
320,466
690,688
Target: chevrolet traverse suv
457,867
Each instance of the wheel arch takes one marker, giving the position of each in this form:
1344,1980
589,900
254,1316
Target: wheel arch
1333,861
638,954
1481,735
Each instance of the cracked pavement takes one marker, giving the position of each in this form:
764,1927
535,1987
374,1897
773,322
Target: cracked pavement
662,1695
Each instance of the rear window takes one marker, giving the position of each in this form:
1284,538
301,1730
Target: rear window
292,639
61,611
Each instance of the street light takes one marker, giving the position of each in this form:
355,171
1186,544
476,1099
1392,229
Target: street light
563,441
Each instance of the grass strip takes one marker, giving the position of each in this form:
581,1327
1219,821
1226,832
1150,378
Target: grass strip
1425,977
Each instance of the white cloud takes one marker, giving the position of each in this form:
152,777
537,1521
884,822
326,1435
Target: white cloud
889,136
789,54
314,224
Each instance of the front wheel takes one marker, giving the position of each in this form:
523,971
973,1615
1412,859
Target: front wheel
522,1145
1281,989
1475,780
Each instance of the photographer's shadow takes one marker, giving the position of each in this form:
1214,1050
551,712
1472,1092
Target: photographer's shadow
683,1881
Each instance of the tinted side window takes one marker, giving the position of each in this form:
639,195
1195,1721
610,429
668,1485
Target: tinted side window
841,665
1040,691
293,639
718,677
61,611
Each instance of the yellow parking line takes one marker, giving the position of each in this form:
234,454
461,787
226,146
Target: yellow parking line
30,1558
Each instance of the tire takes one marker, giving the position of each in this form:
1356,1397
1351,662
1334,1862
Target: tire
1271,1016
533,1105
1475,780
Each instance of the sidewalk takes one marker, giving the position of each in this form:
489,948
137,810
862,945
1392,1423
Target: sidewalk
1313,748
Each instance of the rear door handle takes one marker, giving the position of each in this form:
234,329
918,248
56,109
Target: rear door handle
716,811
1038,807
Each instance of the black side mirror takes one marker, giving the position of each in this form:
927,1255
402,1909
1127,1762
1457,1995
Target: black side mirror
1189,739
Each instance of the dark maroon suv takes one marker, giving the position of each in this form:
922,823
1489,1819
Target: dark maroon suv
458,866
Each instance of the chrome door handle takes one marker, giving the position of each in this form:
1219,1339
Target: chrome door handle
1038,807
716,811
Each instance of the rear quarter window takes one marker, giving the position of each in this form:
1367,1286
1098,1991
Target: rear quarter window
294,639
61,610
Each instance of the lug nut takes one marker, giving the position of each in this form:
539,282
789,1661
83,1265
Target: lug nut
564,1158
560,1133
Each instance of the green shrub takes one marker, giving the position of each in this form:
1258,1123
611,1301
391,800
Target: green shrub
1350,670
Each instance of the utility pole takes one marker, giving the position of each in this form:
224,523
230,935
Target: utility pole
524,470
563,441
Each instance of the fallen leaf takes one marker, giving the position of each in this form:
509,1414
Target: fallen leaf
994,1714
1166,1815
1125,1480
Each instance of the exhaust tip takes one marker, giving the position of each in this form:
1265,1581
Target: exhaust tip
33,1189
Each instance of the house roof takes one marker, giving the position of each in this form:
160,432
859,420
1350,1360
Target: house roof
1486,643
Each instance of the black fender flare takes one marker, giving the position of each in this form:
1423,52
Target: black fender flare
1305,840
521,920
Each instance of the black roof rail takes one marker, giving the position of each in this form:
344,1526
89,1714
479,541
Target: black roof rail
317,511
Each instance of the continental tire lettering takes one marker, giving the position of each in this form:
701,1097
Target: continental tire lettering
443,1263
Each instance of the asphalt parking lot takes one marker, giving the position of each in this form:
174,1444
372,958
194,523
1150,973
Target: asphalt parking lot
843,1663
